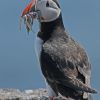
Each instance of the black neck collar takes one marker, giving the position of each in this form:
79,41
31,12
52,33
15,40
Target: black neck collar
47,28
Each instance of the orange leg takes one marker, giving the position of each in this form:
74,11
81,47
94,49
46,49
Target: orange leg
51,98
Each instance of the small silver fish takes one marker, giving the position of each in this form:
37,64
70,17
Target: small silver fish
28,20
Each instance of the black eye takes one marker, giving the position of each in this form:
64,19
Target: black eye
47,4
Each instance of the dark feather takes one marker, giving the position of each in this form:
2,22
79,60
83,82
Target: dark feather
61,59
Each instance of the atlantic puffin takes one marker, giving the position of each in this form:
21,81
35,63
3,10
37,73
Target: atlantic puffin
64,63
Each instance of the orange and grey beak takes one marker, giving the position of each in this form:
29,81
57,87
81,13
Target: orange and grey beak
29,7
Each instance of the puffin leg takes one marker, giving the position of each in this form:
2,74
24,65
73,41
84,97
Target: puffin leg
51,98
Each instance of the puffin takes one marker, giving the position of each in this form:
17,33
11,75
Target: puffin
63,61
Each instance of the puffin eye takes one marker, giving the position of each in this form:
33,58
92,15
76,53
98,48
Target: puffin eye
47,4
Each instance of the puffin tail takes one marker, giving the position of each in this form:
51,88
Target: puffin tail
78,85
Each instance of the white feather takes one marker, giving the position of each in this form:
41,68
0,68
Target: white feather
38,48
51,93
50,13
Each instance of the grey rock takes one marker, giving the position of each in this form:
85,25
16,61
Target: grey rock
37,94
15,94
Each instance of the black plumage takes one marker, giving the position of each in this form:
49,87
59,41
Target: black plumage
64,62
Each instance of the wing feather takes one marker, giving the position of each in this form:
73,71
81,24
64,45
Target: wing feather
67,64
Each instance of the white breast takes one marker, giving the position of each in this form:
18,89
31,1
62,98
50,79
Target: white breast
38,46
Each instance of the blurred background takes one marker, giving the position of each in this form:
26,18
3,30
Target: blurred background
18,63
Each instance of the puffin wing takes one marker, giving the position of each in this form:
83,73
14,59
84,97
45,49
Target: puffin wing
66,63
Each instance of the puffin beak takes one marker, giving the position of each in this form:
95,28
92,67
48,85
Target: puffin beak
29,14
29,8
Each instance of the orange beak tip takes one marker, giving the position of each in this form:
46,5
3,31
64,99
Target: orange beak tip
28,7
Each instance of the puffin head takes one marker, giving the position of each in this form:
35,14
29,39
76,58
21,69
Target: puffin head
43,10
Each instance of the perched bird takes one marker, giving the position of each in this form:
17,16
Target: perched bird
64,63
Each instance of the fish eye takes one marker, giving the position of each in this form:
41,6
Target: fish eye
47,4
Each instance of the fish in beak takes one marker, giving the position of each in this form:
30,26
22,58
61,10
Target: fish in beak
28,15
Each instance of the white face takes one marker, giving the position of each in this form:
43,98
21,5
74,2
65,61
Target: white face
48,9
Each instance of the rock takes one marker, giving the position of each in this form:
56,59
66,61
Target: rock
37,94
15,94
